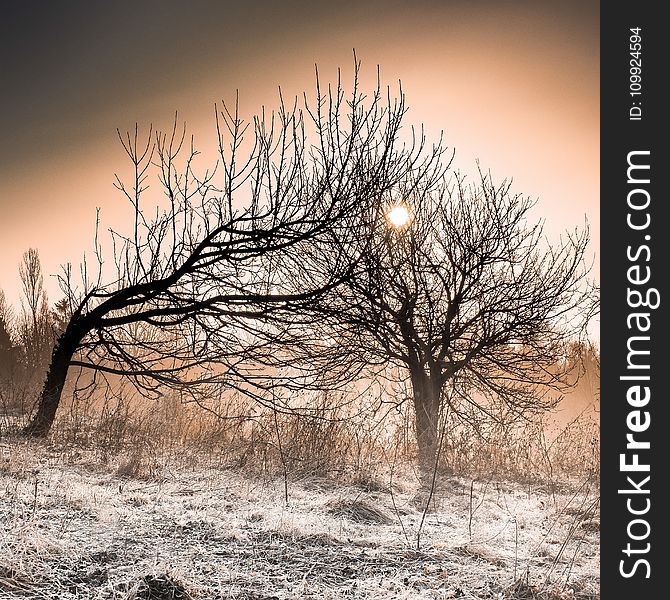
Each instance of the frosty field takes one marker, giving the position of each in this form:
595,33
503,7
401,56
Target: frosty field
75,528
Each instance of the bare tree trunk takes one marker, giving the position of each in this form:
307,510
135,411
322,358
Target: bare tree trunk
426,393
52,390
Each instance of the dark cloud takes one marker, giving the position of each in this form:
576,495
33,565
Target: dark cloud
66,62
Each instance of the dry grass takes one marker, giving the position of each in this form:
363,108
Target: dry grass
353,443
358,511
76,527
132,500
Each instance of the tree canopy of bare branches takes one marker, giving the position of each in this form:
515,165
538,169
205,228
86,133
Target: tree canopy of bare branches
198,281
463,295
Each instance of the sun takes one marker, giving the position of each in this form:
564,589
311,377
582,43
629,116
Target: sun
398,216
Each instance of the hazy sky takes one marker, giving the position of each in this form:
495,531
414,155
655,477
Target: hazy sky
514,84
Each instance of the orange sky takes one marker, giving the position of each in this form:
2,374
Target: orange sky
513,84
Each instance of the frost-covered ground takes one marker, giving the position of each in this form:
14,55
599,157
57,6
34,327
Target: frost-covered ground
73,529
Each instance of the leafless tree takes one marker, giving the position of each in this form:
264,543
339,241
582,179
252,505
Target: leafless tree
35,333
17,346
462,295
32,281
8,358
199,296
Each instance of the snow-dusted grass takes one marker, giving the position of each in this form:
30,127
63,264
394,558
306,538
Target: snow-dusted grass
73,528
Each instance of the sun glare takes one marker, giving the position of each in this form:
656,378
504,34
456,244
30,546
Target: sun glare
398,216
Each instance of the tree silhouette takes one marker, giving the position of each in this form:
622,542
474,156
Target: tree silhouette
198,286
35,330
465,297
8,350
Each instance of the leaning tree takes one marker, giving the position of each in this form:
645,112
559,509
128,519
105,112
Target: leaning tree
195,288
456,287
